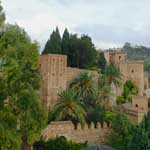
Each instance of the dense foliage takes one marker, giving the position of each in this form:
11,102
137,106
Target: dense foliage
86,100
59,143
81,51
22,114
122,130
69,107
141,136
53,44
129,90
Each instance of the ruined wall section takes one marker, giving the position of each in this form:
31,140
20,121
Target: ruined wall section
91,133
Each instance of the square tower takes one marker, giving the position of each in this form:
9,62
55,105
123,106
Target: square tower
53,72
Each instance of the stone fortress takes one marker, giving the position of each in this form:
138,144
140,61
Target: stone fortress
131,70
56,76
134,71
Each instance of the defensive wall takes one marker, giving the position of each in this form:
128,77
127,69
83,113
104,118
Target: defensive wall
87,133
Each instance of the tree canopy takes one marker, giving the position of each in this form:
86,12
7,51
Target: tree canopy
20,84
80,50
53,44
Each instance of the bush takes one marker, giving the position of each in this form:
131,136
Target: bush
59,143
109,116
121,134
121,100
96,114
129,90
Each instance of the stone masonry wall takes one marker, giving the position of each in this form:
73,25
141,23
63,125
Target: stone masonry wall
87,133
55,76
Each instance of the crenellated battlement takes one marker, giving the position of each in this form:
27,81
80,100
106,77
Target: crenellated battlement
92,133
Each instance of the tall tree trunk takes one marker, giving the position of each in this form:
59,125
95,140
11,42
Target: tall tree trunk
25,145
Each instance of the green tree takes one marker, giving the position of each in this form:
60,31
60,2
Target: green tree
129,90
121,133
20,84
112,75
53,44
101,62
65,42
103,98
73,54
141,136
84,85
69,107
87,52
9,138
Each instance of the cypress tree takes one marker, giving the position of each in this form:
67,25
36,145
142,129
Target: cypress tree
53,44
101,62
65,42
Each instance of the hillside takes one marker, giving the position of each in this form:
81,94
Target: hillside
139,53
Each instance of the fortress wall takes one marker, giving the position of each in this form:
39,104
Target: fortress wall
90,133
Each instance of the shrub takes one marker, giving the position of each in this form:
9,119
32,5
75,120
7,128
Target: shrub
121,100
59,143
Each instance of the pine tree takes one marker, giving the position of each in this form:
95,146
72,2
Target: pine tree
65,42
53,44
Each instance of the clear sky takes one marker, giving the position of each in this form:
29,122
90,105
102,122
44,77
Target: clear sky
110,23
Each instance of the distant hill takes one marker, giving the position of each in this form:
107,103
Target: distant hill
138,53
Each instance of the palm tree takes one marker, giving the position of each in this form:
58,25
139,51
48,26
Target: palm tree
84,85
103,98
112,75
107,83
69,107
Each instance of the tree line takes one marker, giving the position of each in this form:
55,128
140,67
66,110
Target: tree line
80,51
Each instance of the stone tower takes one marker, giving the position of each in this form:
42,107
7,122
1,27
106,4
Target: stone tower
131,70
53,71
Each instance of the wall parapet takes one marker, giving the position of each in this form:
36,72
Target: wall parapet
91,133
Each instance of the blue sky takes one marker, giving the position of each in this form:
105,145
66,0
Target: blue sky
110,23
